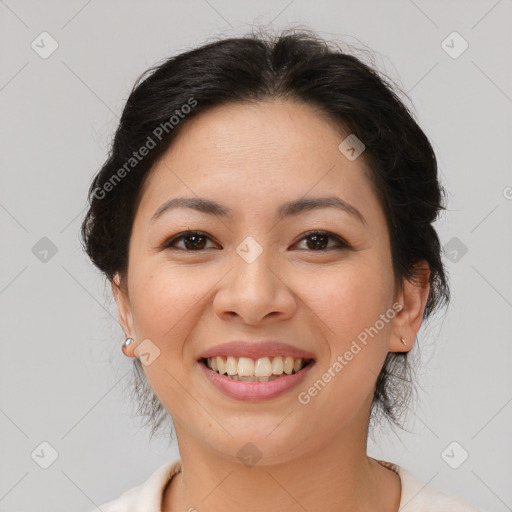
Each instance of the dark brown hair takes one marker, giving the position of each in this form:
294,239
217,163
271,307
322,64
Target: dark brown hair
299,66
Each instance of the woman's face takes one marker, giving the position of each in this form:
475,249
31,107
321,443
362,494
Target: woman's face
253,275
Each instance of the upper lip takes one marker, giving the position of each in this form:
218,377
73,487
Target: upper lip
256,349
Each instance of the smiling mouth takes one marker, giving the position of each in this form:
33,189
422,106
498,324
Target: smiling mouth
265,369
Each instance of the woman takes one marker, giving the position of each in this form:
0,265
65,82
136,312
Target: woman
265,220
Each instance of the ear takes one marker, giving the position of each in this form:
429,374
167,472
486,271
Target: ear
413,297
124,311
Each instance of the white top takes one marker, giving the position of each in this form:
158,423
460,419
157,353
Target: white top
416,496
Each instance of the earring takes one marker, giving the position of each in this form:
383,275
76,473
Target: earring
403,341
127,342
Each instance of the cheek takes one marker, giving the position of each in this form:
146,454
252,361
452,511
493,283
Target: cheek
348,298
163,302
349,301
164,305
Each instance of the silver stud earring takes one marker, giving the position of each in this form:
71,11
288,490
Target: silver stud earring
403,341
127,342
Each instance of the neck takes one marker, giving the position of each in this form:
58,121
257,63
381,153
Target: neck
336,476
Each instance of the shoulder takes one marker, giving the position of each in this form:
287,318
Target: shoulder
420,497
145,497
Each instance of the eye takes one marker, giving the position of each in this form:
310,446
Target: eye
193,241
319,241
196,241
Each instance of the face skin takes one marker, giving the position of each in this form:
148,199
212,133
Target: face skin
252,159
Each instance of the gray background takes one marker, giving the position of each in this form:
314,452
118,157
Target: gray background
62,375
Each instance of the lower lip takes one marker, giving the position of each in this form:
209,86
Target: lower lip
254,390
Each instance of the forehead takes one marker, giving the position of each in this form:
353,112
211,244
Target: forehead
254,131
255,153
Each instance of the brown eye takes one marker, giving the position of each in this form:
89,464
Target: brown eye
318,241
192,241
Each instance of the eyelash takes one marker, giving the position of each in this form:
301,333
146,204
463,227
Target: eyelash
186,234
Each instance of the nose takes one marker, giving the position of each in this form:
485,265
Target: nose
253,293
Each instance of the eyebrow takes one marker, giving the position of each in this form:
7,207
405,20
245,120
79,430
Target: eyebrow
287,209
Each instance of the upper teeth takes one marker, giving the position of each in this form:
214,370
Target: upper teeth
262,367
